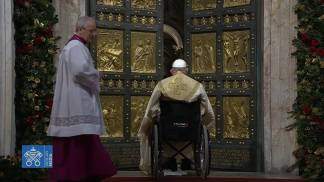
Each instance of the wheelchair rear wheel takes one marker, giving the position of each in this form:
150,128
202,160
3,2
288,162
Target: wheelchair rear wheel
202,158
155,153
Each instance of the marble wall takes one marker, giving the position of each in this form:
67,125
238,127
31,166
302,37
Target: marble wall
68,12
7,77
279,84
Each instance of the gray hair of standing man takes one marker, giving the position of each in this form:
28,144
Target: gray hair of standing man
82,22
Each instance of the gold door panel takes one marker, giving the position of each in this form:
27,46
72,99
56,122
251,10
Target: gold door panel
235,84
236,113
110,17
143,4
143,52
110,50
138,107
143,20
198,5
140,85
111,2
204,21
232,157
237,18
233,3
203,53
112,109
236,51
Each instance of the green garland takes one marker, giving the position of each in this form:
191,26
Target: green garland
34,67
308,109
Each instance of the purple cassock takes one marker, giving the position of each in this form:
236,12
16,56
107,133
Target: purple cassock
76,119
80,158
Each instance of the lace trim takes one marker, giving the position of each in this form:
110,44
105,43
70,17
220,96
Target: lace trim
74,120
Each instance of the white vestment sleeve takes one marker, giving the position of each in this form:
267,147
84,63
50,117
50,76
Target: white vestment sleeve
207,110
152,110
82,69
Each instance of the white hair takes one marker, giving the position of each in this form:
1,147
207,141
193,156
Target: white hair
183,70
82,22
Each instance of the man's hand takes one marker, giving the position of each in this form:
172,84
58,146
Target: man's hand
94,88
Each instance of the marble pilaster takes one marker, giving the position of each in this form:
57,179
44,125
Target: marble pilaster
279,84
68,12
7,79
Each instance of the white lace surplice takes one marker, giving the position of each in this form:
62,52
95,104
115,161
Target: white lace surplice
76,107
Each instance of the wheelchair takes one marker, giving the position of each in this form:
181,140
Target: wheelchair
181,122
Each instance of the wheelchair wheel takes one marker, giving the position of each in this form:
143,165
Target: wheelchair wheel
155,153
202,154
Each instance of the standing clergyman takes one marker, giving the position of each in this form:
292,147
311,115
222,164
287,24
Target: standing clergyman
76,118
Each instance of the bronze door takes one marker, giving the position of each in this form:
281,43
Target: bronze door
128,53
221,41
220,44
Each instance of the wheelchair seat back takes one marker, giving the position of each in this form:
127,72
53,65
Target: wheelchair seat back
179,121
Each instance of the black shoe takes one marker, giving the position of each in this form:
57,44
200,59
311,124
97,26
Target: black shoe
185,164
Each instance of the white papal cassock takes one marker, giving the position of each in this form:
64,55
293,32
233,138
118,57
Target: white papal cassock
76,108
177,87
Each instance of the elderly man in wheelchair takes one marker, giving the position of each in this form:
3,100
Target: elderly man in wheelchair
175,125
